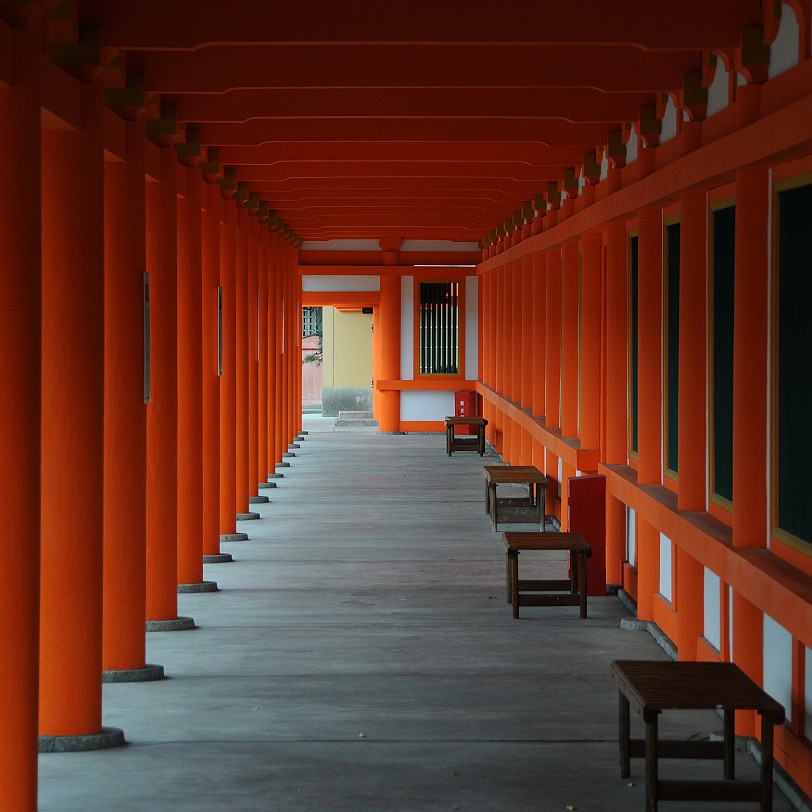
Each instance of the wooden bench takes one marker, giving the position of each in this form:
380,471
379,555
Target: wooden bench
455,442
574,586
529,508
655,686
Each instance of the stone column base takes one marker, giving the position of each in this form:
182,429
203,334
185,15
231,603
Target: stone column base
106,737
148,673
177,624
203,586
233,536
258,500
218,558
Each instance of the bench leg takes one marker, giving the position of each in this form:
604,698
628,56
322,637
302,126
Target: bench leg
582,582
766,763
650,718
514,581
624,736
729,733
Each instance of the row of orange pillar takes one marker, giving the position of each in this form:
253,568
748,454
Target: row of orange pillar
113,495
555,344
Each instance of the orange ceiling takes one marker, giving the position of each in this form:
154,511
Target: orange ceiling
424,119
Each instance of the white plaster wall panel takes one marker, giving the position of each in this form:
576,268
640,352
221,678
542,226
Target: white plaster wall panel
808,691
730,623
631,147
712,625
778,663
407,328
341,284
560,474
718,92
438,245
605,165
426,405
784,50
471,328
666,552
631,536
669,123
340,245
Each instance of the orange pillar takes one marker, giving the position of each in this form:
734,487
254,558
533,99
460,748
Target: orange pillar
688,603
273,357
552,361
20,324
228,379
649,346
499,330
286,351
162,409
538,331
528,346
648,568
750,359
241,453
570,283
210,258
481,327
515,348
253,319
693,352
281,443
485,346
125,416
263,350
617,344
389,327
190,385
72,451
591,247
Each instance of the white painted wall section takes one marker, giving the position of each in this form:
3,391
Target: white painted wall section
778,663
406,329
718,92
785,50
471,328
665,567
416,405
712,625
631,536
341,284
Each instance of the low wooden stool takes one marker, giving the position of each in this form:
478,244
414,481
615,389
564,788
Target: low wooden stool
574,586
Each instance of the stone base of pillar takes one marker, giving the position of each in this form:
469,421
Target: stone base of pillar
294,445
203,586
246,517
281,465
177,624
258,500
106,737
218,558
303,434
265,485
234,537
286,454
148,673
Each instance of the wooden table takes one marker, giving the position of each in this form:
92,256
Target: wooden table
655,686
518,509
455,442
574,586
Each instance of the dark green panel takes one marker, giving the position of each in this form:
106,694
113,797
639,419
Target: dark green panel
724,260
794,362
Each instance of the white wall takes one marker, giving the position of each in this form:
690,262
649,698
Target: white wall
712,626
340,284
665,567
471,362
426,405
778,663
406,329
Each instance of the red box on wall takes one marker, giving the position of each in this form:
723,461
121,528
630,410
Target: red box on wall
586,497
467,403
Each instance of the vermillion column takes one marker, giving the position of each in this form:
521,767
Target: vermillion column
286,350
242,458
125,412
528,345
273,354
552,359
516,349
20,326
539,330
649,353
210,257
72,451
499,330
693,353
750,359
263,349
571,258
228,379
484,329
280,443
389,324
591,246
253,319
190,388
649,346
162,410
616,389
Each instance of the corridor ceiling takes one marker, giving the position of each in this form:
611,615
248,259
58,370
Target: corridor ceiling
419,119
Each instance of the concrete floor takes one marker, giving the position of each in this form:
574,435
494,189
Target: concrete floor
360,655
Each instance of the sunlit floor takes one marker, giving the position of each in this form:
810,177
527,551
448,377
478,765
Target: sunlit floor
360,654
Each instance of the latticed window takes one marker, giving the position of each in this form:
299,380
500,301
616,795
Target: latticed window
311,321
439,328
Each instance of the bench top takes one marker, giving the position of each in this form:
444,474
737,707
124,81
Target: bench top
513,474
546,541
466,421
664,684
